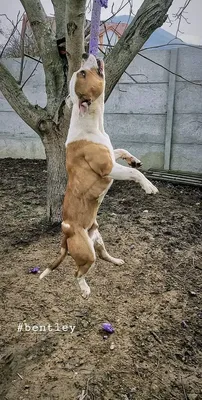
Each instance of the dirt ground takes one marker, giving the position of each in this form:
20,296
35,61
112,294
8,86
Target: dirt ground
153,301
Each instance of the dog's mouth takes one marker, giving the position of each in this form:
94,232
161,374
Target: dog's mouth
83,105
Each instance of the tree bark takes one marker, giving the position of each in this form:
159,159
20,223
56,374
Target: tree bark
75,20
59,9
54,144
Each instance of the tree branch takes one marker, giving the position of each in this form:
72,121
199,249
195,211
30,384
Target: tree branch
171,72
194,46
150,16
172,44
33,58
75,20
22,50
30,75
180,15
125,72
59,8
48,51
159,65
19,19
32,115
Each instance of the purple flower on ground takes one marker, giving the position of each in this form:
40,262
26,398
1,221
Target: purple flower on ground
108,327
34,270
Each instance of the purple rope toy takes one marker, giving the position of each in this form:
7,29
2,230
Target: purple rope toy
95,25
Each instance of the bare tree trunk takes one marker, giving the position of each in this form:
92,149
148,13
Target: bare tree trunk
54,143
75,20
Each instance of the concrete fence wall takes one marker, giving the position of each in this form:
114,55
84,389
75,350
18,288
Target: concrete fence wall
158,118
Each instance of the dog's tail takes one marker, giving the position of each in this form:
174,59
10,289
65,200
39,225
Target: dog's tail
68,232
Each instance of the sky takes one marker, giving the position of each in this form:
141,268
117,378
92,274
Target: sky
192,31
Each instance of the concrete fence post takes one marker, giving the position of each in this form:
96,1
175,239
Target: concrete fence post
170,108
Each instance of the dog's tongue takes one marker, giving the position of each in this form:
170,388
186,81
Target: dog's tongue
83,107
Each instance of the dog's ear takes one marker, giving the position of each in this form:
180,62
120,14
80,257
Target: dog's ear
100,64
84,58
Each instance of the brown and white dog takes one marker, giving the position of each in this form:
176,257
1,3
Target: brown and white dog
91,167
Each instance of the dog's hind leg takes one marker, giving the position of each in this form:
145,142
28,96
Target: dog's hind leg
58,261
101,250
81,248
81,273
85,289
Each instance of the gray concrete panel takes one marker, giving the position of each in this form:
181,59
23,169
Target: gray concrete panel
135,128
187,158
190,63
146,71
12,124
19,147
138,99
188,98
187,129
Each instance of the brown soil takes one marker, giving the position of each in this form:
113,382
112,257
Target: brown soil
153,301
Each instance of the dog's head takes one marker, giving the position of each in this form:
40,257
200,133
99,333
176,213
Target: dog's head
87,84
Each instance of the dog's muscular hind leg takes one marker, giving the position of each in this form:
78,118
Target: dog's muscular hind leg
80,275
102,252
85,289
82,251
58,261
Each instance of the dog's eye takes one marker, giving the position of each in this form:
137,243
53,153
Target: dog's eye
83,73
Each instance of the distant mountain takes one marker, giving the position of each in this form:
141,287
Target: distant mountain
158,37
121,18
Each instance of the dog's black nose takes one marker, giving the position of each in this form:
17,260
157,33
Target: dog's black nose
85,56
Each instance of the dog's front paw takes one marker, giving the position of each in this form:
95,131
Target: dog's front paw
148,187
118,261
135,163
